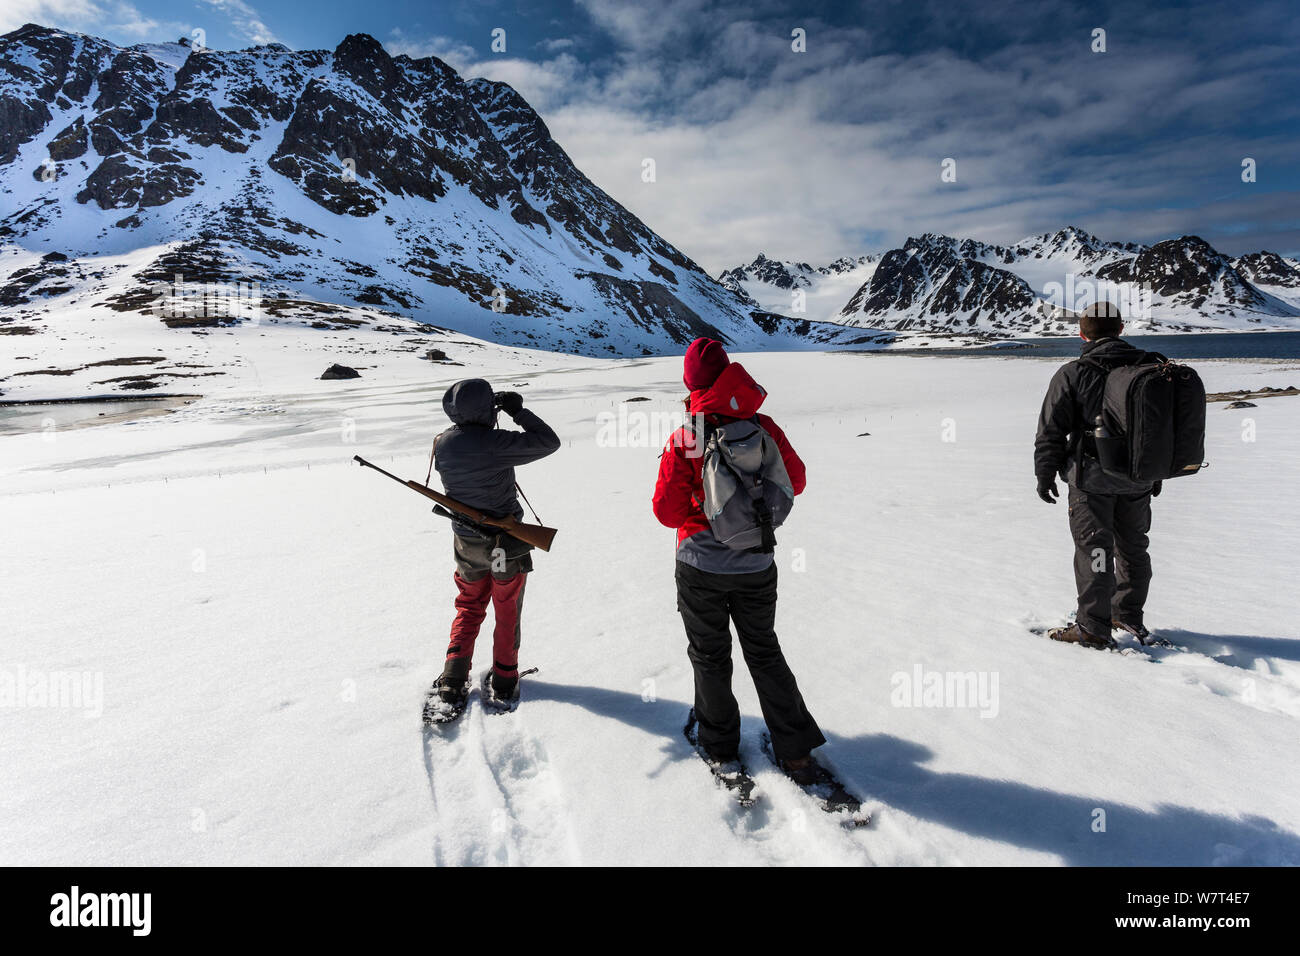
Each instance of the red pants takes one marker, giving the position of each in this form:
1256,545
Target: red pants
507,599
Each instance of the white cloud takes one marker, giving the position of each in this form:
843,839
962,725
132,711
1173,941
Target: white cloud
557,44
122,20
118,19
244,20
125,18
459,56
78,15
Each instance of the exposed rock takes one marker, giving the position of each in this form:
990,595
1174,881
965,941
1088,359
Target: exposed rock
340,371
71,143
1268,391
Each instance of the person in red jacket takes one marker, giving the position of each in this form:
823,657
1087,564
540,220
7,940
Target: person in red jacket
717,586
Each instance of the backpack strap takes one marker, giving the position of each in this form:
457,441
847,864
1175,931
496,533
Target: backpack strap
432,452
1085,444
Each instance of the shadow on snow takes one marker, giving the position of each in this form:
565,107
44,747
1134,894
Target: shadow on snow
891,770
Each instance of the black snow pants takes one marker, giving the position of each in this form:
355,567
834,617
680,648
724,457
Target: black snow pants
708,602
1112,570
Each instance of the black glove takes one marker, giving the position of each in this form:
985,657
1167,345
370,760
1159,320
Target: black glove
1158,487
1047,490
512,403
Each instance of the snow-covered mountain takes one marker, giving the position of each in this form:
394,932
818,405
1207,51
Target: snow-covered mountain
348,185
938,282
1177,285
1275,275
797,288
1187,275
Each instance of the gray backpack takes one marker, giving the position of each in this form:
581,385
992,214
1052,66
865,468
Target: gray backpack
747,491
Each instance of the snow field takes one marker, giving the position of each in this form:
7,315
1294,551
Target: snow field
265,639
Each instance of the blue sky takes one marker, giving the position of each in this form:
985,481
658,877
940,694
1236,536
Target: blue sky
838,150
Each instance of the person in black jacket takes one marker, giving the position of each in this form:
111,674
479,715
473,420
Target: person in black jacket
1109,516
476,461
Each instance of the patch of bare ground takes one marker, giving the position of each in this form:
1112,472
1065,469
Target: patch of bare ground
1245,393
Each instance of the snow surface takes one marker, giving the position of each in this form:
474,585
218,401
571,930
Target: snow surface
266,617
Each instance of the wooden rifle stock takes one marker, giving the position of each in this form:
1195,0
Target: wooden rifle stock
537,535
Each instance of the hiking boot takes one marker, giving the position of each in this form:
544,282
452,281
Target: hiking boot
452,691
505,688
802,770
453,685
1074,634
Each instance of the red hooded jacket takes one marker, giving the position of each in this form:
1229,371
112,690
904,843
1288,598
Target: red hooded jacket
680,488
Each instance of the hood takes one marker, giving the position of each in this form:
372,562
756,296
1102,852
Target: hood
470,402
734,395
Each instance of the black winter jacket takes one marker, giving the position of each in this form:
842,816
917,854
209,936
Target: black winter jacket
476,460
1070,409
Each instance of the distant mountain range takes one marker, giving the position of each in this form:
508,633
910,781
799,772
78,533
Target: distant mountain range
349,185
357,190
940,283
797,288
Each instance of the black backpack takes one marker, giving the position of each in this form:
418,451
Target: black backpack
1152,421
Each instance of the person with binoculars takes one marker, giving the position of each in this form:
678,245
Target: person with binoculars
476,461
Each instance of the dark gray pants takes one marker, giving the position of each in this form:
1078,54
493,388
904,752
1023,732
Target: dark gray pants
709,603
1112,570
502,557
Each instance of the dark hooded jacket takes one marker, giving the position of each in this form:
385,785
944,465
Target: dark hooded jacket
1070,408
476,460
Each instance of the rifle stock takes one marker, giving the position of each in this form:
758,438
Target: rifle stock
539,536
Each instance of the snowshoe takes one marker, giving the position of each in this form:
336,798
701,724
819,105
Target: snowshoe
823,786
1065,633
1141,633
500,695
730,773
446,701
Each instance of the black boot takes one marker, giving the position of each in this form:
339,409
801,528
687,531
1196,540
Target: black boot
453,685
803,770
449,695
505,688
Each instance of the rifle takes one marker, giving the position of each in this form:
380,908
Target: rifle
537,535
